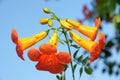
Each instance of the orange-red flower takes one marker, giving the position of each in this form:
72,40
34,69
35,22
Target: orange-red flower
86,30
24,43
48,58
93,47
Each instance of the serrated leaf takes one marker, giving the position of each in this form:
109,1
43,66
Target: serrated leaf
81,71
80,58
75,53
84,61
88,70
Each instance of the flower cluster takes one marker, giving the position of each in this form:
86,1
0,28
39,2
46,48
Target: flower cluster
46,55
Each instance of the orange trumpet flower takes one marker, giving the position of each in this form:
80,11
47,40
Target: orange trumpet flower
48,58
24,43
86,30
93,47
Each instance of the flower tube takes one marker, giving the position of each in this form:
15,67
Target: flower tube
24,43
93,47
86,30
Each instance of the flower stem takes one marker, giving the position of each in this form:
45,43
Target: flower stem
68,45
63,76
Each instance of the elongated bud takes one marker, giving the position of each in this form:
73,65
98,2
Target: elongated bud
50,23
46,10
44,20
66,25
54,39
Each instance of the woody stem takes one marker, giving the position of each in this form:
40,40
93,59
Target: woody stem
68,45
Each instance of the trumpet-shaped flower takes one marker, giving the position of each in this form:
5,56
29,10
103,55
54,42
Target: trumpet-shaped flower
48,59
93,47
24,43
86,30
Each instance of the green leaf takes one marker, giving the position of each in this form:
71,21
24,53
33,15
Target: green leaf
60,41
58,77
84,61
65,66
88,70
75,53
74,67
81,71
80,58
75,46
70,40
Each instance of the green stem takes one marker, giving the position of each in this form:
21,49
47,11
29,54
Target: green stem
63,76
68,45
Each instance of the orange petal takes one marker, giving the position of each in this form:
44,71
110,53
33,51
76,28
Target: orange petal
43,63
14,36
101,39
54,64
40,66
97,22
19,51
64,57
47,48
34,54
95,52
57,68
49,63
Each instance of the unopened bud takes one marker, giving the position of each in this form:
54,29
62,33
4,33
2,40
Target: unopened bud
46,10
50,23
44,20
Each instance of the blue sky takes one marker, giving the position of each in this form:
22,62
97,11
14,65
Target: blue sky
24,15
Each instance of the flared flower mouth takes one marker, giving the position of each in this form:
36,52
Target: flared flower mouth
14,37
93,47
86,30
101,39
96,48
97,22
95,52
48,58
